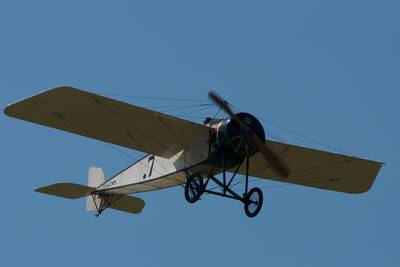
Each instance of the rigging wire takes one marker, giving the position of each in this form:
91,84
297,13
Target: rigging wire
271,133
89,133
303,136
60,116
193,111
143,132
153,98
308,183
205,106
295,133
177,106
216,114
241,182
189,108
191,116
200,107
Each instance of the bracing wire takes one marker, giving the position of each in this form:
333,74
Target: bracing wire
180,107
276,136
177,106
153,98
89,133
188,108
295,133
201,107
303,136
216,114
203,104
193,111
193,108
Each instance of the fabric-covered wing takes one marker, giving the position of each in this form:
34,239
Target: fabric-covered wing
108,120
315,168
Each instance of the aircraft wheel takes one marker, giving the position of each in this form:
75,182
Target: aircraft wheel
194,188
253,201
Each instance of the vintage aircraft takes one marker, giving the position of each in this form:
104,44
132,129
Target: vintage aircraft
185,152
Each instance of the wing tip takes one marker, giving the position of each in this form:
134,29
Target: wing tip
11,109
7,110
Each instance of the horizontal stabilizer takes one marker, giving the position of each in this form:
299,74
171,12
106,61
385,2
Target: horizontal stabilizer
66,190
72,191
128,204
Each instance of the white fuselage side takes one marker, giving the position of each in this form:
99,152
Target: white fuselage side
153,172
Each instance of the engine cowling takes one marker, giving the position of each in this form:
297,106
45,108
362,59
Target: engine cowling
230,142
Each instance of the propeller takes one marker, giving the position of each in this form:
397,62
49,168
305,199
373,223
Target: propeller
270,156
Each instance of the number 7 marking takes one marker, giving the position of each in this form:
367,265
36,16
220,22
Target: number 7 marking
151,158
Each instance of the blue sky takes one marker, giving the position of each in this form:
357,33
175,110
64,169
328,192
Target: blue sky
328,70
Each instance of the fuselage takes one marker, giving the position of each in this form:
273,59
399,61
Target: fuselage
222,147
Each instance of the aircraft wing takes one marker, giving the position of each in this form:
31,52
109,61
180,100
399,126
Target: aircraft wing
108,120
315,168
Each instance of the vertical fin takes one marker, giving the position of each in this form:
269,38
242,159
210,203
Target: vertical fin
95,178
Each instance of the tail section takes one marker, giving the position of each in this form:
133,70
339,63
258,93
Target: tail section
95,178
97,202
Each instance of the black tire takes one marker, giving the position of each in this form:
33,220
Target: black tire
194,188
253,202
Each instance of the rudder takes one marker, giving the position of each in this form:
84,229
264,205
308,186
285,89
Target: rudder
95,178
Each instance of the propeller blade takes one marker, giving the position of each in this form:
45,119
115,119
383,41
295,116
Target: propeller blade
270,156
276,162
221,103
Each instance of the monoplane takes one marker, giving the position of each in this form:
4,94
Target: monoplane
205,158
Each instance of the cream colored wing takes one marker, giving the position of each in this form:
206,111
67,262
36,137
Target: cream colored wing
108,120
315,168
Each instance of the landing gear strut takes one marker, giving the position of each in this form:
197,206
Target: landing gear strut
252,199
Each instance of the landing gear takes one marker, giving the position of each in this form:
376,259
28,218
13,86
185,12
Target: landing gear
253,201
194,188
